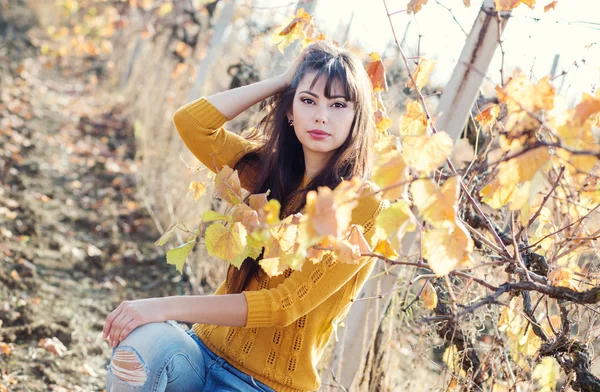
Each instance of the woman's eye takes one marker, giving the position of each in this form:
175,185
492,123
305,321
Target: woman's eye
341,105
306,99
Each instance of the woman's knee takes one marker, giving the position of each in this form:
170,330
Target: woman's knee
128,366
145,348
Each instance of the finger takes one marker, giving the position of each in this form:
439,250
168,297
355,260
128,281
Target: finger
119,335
117,326
128,327
109,321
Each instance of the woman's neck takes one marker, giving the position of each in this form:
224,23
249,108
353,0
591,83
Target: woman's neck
314,162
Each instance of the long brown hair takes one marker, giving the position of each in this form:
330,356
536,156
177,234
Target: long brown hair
280,159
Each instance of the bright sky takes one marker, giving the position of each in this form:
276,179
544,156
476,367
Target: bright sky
528,44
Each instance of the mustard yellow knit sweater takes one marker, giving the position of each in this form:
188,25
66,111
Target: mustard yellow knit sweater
290,316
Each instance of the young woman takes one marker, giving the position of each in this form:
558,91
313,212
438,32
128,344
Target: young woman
258,333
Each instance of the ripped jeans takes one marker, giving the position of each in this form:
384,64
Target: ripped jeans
165,357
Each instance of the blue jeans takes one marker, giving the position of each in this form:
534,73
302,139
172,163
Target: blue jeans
166,357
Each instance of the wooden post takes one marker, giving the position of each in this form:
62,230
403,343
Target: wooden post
455,105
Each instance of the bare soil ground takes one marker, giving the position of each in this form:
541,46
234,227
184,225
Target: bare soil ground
75,240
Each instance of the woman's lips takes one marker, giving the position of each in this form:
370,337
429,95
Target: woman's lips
318,135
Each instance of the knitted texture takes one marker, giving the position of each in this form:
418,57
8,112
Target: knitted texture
291,317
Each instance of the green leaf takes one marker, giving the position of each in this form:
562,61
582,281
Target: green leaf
210,216
166,235
177,256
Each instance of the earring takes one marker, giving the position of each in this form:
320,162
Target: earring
291,122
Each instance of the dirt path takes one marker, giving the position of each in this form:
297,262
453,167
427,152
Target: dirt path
75,240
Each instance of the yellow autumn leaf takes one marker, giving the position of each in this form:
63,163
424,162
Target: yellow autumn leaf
562,277
246,216
414,121
556,322
453,358
310,37
258,201
488,115
550,6
199,189
415,6
320,213
270,212
512,185
436,205
544,95
579,166
529,343
421,74
385,249
382,121
386,143
497,195
526,195
228,187
225,243
429,296
588,106
376,71
328,212
346,196
282,241
347,252
253,249
393,223
520,93
426,153
521,338
523,167
447,249
391,172
507,5
272,266
546,373
294,29
351,247
510,319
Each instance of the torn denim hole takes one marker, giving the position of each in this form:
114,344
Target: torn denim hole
127,365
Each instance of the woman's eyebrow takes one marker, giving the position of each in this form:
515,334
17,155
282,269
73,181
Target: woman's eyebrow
316,96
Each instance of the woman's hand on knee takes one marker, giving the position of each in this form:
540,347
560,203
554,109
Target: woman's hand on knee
128,316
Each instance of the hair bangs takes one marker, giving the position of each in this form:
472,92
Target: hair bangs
336,70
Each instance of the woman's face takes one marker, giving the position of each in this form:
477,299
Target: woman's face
312,111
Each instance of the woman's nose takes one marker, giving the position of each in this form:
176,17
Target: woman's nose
320,116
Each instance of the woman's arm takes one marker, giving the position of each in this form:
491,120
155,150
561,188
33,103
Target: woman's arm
228,309
233,102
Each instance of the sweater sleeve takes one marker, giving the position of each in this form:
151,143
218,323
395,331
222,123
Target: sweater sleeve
200,126
306,289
